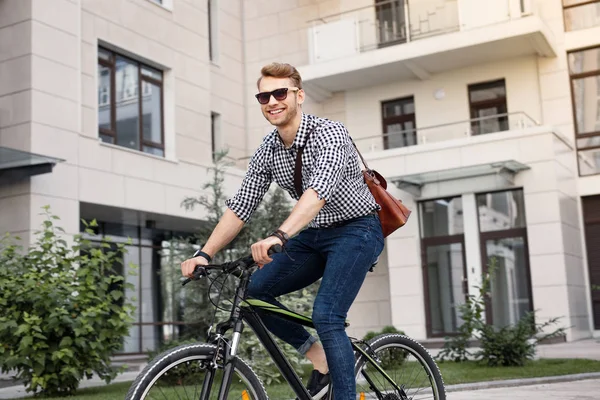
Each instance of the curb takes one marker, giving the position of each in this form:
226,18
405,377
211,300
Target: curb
521,382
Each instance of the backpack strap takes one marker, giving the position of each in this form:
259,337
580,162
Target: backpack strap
298,167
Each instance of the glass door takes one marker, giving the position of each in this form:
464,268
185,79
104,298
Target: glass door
444,266
391,22
503,238
510,294
446,288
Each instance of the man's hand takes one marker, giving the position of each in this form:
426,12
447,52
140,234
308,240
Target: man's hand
188,266
260,250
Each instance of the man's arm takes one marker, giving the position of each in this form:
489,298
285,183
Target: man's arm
227,229
305,210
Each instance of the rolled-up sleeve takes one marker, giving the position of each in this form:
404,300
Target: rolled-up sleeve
254,185
332,158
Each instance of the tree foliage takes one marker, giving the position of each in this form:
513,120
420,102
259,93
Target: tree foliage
273,210
64,311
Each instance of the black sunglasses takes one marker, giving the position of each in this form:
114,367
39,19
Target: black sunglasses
279,94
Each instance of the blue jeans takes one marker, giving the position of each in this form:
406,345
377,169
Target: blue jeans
341,256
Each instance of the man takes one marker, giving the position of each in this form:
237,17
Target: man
343,239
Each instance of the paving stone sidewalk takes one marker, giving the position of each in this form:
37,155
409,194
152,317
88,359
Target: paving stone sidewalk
577,390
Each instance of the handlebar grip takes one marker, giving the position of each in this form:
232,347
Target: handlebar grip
276,248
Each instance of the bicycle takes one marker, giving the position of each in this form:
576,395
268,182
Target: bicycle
219,353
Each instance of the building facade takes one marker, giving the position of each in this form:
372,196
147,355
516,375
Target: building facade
484,119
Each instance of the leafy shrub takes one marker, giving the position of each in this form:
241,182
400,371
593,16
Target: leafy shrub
63,310
199,313
386,329
510,345
389,360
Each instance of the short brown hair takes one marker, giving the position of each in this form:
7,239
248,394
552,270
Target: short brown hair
281,70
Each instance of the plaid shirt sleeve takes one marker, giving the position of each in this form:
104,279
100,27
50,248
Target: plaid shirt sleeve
254,186
333,152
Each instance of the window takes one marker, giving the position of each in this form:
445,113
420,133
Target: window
581,14
444,266
157,294
215,133
584,71
503,238
398,120
391,22
130,103
487,102
213,30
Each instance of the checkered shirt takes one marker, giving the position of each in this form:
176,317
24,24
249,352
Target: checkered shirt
330,166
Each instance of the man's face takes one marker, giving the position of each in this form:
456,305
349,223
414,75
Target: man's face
280,112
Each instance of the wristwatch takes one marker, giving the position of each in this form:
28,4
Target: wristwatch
203,254
284,237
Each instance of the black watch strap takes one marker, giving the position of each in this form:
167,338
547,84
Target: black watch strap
203,254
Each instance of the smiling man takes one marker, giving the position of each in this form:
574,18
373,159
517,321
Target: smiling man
343,239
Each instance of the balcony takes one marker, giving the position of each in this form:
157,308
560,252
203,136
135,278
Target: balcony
445,132
413,39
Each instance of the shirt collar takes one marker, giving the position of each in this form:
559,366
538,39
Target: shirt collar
306,124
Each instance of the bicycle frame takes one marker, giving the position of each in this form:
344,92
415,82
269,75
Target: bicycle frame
246,310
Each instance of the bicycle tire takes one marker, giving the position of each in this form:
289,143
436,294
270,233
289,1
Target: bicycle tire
177,355
387,339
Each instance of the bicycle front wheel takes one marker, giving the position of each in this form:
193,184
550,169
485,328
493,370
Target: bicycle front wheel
182,372
409,371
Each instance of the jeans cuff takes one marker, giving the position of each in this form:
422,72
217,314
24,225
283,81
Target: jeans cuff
306,346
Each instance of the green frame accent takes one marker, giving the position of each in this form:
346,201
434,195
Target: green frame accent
274,309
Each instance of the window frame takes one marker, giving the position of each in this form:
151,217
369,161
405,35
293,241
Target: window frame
582,3
519,232
433,241
572,78
398,119
112,132
500,102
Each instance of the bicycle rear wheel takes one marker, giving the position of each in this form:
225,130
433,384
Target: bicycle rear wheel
406,363
180,373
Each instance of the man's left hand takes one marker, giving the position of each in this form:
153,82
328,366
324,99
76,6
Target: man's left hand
260,250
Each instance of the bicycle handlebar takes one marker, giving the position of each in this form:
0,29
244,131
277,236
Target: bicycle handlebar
228,267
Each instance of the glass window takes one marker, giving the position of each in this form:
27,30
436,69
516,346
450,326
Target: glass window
509,286
445,278
581,14
398,120
487,103
130,103
501,210
441,217
584,68
164,309
589,162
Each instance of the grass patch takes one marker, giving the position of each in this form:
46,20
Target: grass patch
453,373
471,371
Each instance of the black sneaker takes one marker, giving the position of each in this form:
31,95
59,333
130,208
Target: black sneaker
318,384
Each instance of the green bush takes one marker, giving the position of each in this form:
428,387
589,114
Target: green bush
513,346
386,329
389,360
507,346
63,309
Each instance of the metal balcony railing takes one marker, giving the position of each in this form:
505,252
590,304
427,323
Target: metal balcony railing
444,132
392,22
386,23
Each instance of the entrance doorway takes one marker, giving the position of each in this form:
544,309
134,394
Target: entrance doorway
591,220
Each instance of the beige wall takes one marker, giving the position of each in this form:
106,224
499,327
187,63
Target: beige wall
363,107
15,105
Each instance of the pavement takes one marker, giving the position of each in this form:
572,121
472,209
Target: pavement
575,390
578,386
